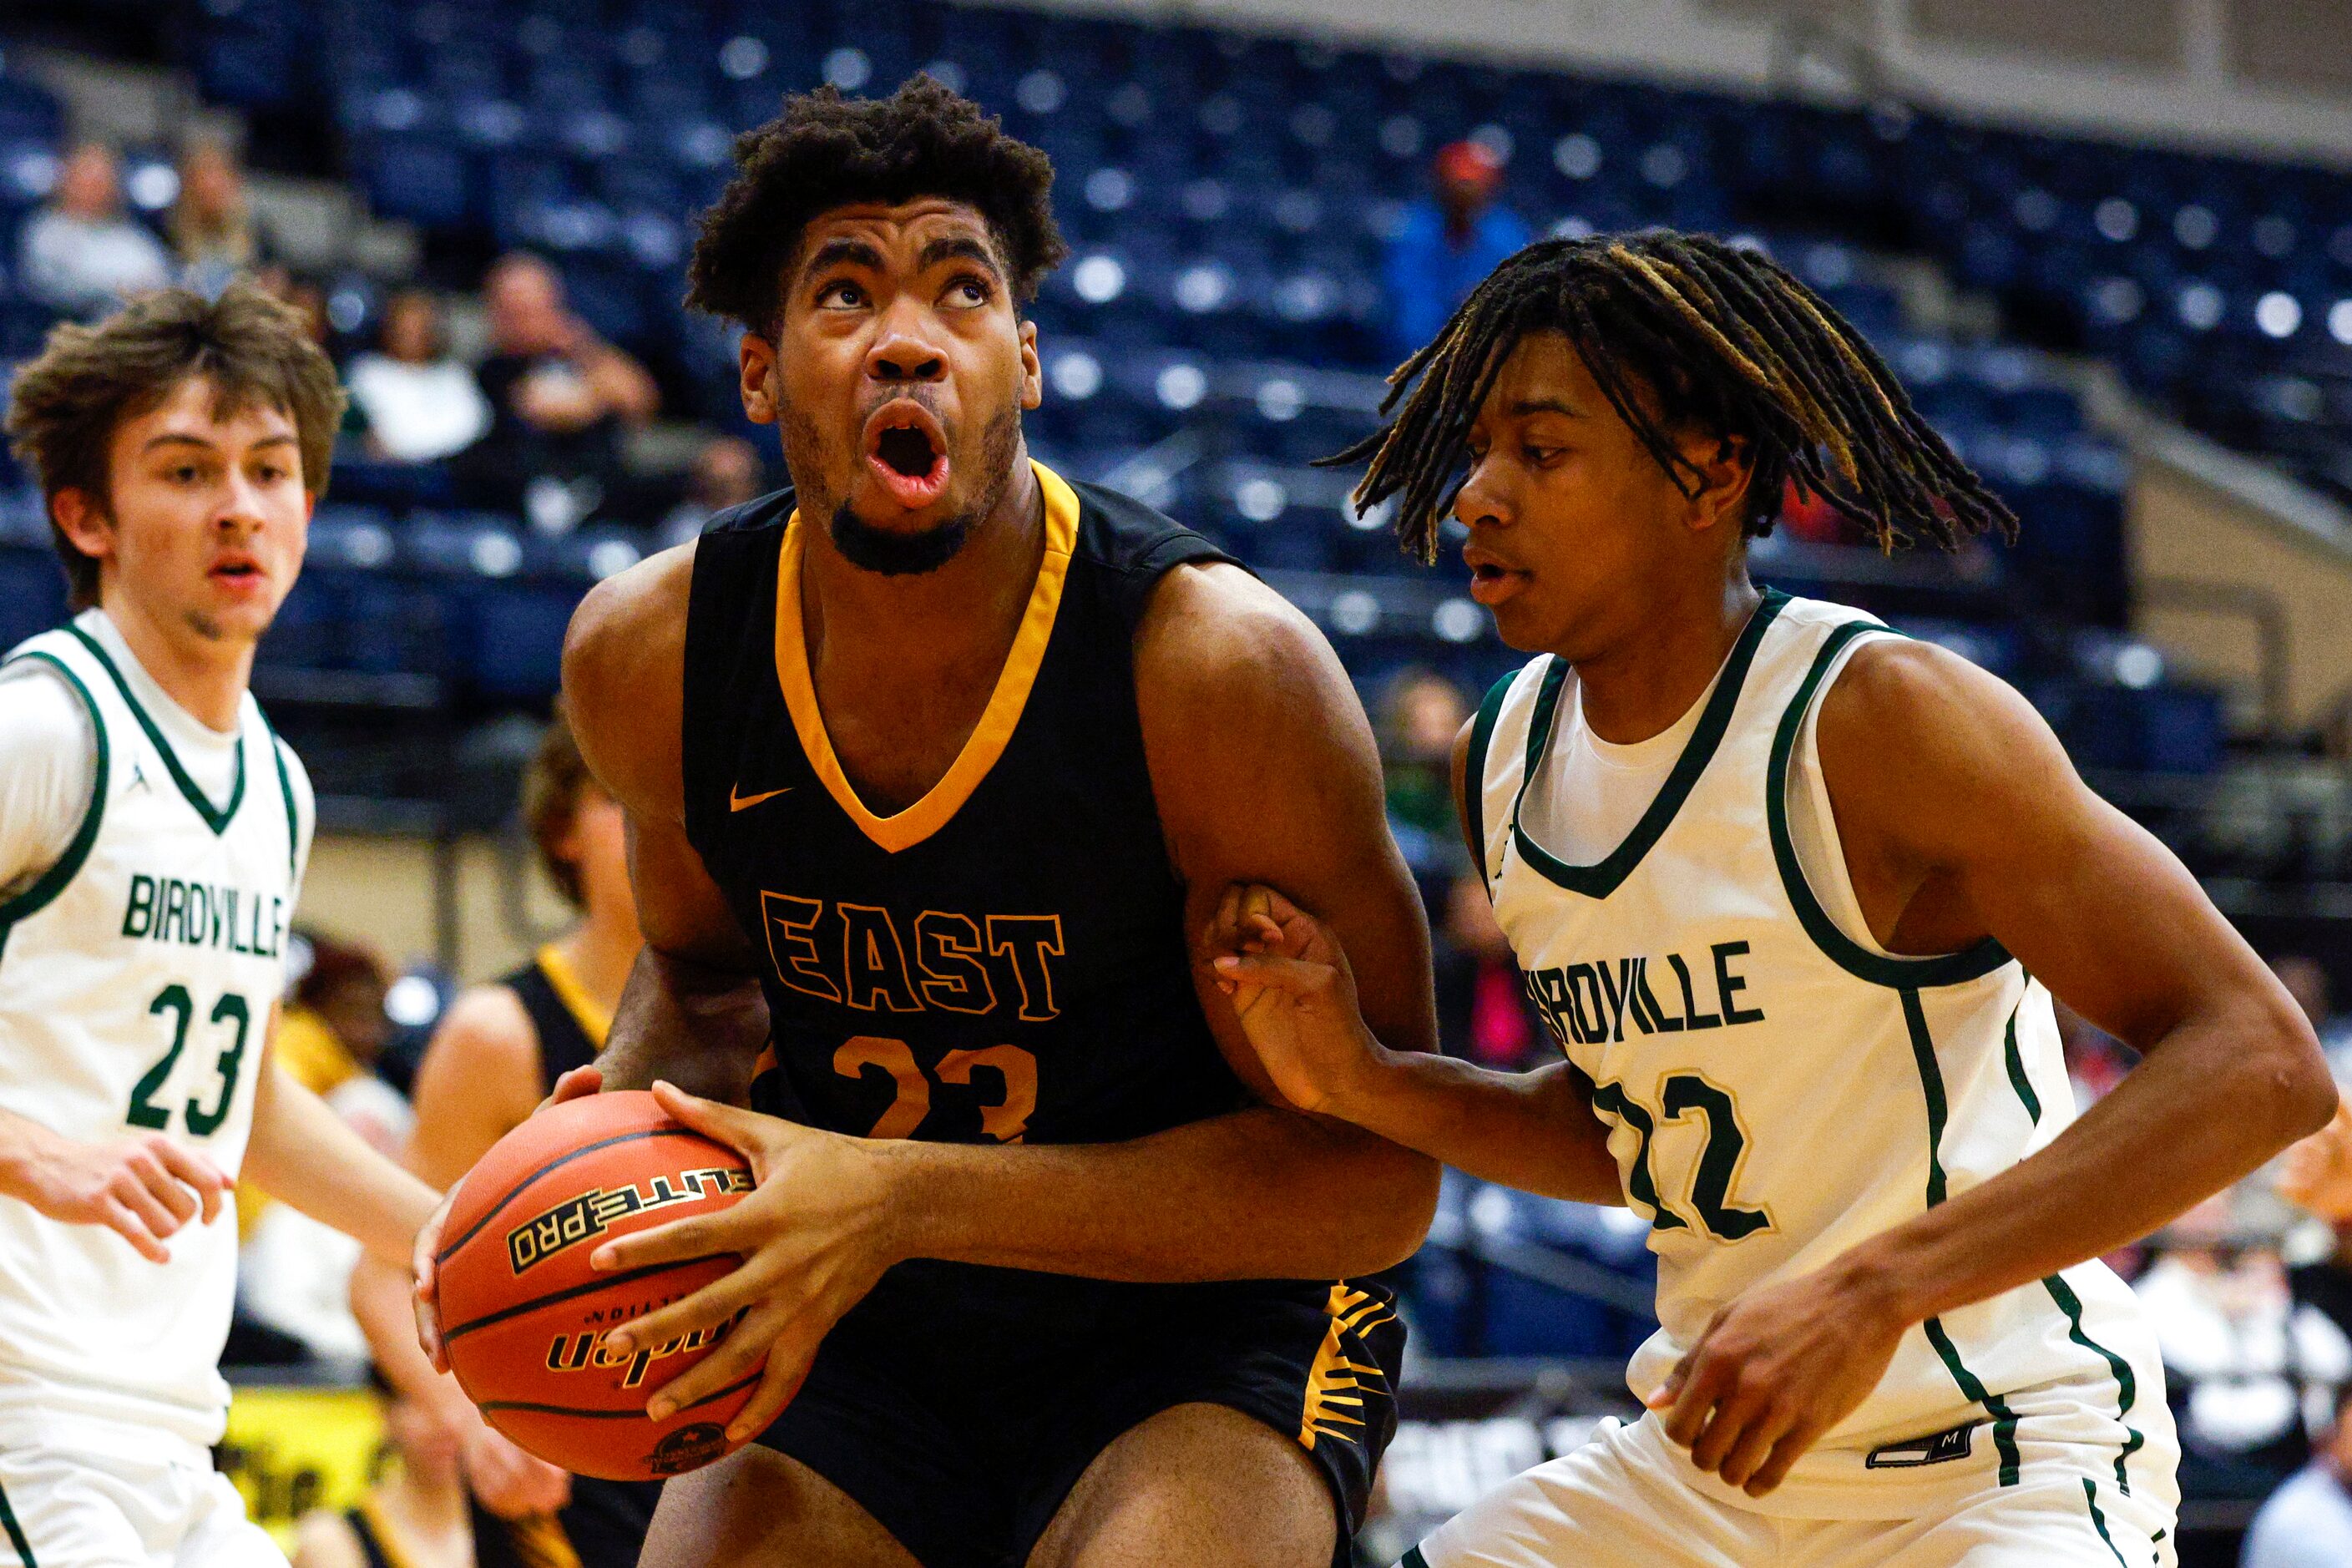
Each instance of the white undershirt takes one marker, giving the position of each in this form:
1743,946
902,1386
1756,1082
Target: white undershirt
1593,791
48,753
1590,793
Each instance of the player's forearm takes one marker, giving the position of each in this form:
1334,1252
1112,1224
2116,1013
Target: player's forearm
2207,1105
696,1025
305,1155
381,1306
1259,1194
28,1150
1532,1130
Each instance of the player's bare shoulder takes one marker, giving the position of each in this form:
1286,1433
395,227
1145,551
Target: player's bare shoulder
1920,746
1218,649
1259,748
487,1032
624,680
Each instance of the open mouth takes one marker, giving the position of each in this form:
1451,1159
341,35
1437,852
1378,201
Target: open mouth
1491,582
908,452
238,572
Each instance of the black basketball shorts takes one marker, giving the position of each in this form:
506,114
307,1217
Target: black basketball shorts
959,1405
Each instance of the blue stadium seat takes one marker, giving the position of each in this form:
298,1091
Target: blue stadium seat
32,593
515,638
28,111
420,178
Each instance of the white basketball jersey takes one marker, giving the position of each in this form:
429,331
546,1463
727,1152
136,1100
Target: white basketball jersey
1777,1092
137,978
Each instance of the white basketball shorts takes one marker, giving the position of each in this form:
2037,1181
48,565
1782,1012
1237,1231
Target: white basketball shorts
1621,1501
64,1509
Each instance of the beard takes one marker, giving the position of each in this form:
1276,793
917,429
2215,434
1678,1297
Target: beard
891,553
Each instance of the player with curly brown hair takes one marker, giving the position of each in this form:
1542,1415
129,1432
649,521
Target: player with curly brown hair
933,763
153,833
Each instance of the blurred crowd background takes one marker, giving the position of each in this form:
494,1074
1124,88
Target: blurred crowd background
2108,247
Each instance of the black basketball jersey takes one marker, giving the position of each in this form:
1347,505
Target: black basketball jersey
1004,959
566,1022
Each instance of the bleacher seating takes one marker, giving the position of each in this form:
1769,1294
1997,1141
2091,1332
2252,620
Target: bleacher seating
1227,198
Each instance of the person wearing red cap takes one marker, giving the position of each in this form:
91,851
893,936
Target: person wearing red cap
1451,240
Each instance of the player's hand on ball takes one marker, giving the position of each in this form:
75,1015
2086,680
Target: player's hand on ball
1775,1370
1294,994
143,1189
815,1234
425,1260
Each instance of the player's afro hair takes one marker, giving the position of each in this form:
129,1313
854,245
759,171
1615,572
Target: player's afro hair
825,150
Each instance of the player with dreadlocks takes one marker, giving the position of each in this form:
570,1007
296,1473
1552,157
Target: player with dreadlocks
1795,894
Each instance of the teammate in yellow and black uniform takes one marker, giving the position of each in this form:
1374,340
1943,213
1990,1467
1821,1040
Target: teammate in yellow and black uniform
497,1053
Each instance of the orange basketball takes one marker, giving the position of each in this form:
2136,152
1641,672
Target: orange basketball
523,1316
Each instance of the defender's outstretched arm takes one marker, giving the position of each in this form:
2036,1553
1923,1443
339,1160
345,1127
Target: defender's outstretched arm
309,1158
1296,994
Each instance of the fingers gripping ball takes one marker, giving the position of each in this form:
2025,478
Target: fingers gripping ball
524,1316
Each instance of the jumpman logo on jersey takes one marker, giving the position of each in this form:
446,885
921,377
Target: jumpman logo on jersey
138,778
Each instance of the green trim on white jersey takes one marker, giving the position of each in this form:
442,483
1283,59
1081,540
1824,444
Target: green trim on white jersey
136,986
51,882
217,818
1879,969
1604,876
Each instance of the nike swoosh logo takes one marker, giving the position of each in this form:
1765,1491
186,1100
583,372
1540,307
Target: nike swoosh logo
737,801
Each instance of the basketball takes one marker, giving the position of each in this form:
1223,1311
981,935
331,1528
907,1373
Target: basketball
524,1316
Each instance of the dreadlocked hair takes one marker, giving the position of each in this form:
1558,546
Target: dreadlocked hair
1683,333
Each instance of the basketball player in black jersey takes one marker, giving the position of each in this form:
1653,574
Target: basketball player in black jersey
496,1053
933,766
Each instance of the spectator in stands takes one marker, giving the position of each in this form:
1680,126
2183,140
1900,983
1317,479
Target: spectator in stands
1449,242
2243,1356
1421,713
727,472
415,403
561,399
1481,1006
80,254
330,1032
305,293
2096,1060
213,229
2307,1522
2317,1177
293,1273
336,1024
